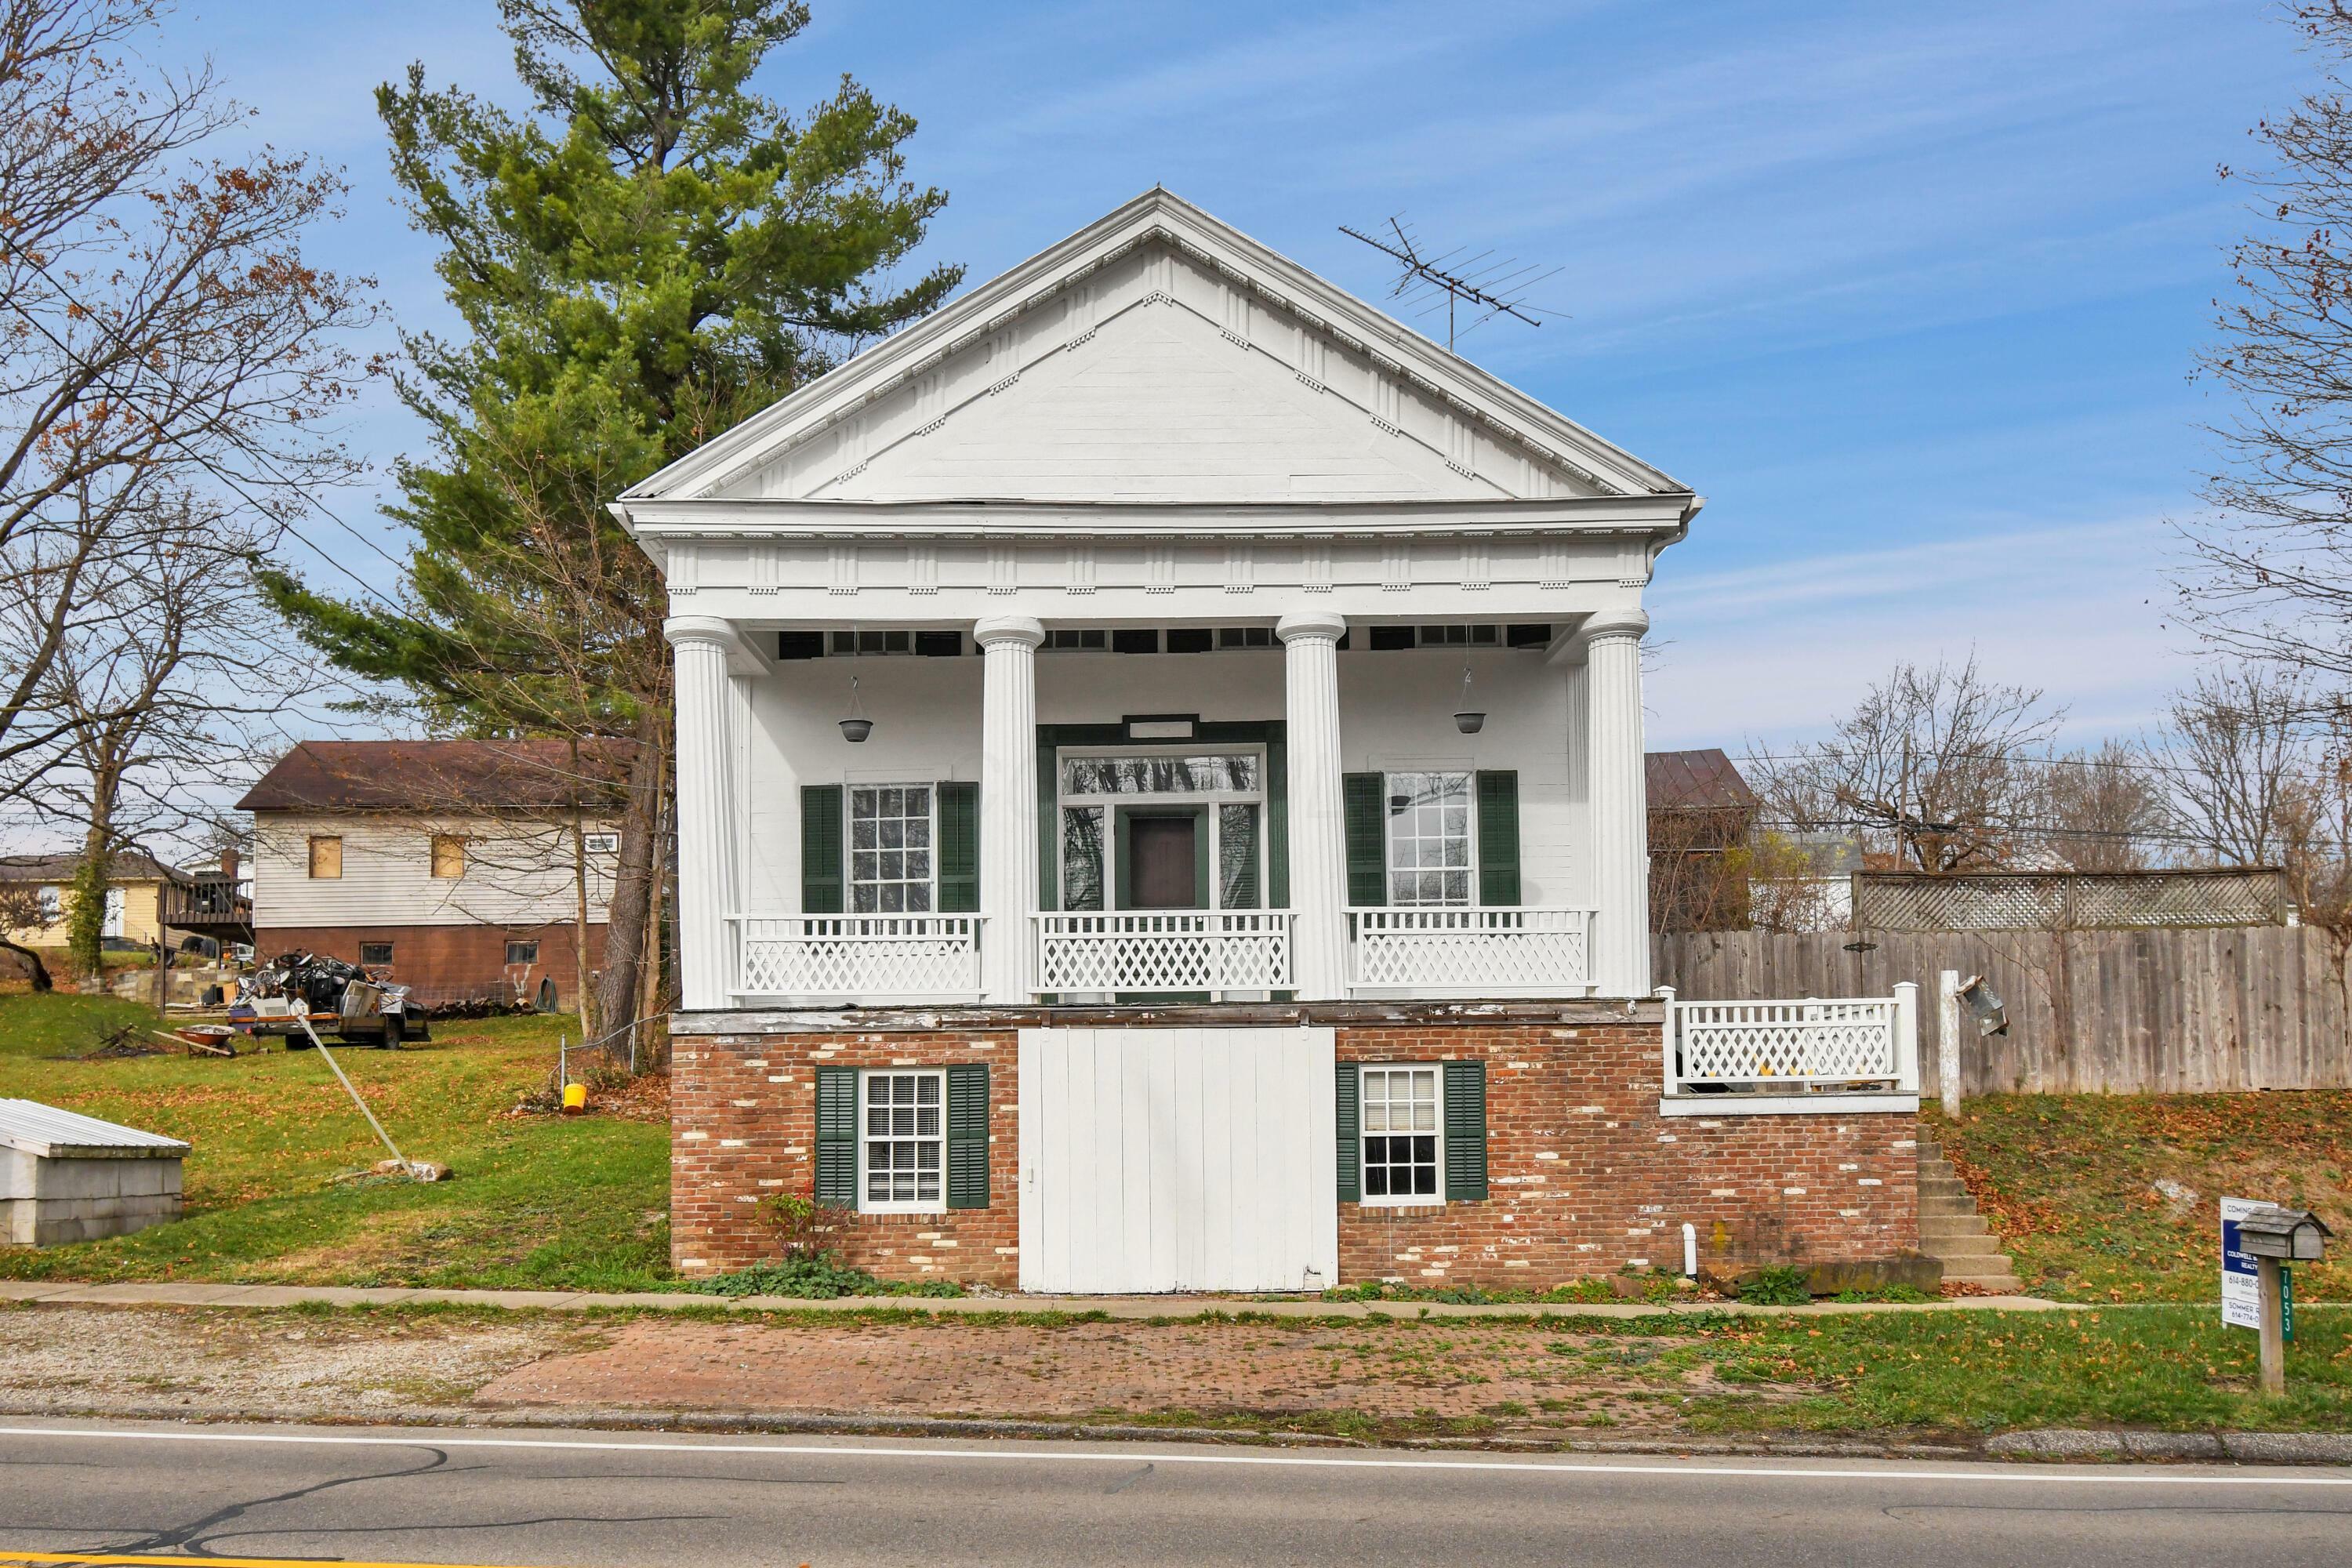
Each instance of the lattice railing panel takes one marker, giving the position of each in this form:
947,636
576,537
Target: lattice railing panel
1763,1044
1495,950
2067,900
1162,950
858,957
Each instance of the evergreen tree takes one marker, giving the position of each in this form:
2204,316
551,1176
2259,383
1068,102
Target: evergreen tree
653,253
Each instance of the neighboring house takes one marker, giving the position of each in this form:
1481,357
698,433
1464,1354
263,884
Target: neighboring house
134,897
1156,725
1700,811
447,865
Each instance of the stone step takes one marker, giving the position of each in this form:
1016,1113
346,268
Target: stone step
1985,1249
1953,1225
1928,1205
1998,1284
1944,1187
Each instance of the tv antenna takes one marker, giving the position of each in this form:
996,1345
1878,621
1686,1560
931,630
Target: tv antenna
1491,285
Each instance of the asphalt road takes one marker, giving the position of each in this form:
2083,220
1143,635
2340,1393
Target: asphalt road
485,1496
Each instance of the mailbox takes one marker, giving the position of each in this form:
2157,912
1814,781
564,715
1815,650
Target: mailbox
2293,1235
1991,1017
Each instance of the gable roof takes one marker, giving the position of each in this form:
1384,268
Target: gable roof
1156,216
437,776
1702,780
129,866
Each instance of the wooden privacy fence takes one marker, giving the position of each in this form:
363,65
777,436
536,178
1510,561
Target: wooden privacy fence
2113,1012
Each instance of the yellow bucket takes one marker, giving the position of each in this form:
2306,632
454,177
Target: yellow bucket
575,1098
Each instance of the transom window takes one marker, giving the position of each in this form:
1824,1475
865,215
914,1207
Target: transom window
1230,773
1401,1121
890,849
904,1134
1429,839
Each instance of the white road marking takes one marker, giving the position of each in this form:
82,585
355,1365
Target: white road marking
1693,1469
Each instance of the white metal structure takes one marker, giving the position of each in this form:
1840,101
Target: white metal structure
1826,1046
1160,1160
1159,490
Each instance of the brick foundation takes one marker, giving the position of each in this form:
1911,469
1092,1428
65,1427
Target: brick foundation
448,963
1585,1177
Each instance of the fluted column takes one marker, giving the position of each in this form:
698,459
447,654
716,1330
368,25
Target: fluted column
1620,811
1319,844
1008,801
706,810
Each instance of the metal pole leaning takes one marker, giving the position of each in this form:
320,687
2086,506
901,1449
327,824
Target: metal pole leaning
337,1067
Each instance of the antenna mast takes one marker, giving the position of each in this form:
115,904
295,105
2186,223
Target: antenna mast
1498,288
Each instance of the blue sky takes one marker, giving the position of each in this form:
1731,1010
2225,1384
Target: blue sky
1910,294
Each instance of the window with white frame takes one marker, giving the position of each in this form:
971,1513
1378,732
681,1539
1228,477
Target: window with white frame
905,1140
53,905
600,842
890,867
1430,859
1403,1117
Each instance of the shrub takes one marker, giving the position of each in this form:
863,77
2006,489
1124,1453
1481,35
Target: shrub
818,1276
1777,1286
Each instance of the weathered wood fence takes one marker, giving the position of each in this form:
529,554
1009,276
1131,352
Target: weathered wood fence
2116,1012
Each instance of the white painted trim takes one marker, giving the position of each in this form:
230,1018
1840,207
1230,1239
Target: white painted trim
1718,1105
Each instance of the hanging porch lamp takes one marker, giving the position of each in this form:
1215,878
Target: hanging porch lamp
856,726
1466,719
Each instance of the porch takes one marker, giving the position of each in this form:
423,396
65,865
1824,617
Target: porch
1043,823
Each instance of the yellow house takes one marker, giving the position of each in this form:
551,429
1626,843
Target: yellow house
134,897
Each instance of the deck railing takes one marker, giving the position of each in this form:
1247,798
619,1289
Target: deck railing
858,958
1162,952
1479,951
1808,1047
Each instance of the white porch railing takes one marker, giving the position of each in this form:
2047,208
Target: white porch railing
858,958
1483,951
1127,950
1853,1043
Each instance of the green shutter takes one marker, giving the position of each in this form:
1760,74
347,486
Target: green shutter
836,1137
959,848
1465,1130
1499,838
1277,821
820,850
968,1135
1345,1086
1364,797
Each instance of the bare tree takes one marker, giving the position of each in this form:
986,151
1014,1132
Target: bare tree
2102,810
2234,755
160,328
21,909
1934,766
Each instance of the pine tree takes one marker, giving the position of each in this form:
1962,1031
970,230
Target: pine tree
653,254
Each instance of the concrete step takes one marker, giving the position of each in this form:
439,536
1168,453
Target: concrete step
1997,1284
1984,1249
1946,1205
1953,1225
1946,1192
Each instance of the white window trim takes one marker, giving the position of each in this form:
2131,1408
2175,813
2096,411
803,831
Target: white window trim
600,843
872,1205
849,843
1408,1200
1212,822
1388,845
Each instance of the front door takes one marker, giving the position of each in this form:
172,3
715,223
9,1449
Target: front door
1164,863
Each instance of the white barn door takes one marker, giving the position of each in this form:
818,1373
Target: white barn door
1158,1160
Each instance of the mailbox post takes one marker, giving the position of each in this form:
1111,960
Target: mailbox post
2275,1237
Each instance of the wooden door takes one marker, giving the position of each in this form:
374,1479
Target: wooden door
1163,859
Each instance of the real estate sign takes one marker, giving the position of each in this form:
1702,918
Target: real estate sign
2241,1280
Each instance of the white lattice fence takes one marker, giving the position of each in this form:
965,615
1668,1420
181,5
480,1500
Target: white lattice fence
2067,900
1163,951
1494,951
858,957
1781,1048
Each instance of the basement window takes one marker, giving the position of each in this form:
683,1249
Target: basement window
376,955
1403,1142
522,952
903,1143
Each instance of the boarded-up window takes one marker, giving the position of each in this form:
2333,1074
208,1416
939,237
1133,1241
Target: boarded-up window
449,856
326,856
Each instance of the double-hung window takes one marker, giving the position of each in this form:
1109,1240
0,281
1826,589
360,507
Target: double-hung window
1429,839
890,862
903,1141
1404,1119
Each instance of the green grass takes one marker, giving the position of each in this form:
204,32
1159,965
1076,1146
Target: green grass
2068,1182
536,1202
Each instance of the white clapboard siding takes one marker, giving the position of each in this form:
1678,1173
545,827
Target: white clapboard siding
1158,379
1163,1160
517,874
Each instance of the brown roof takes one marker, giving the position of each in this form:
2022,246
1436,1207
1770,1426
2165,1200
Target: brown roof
428,775
129,866
1694,781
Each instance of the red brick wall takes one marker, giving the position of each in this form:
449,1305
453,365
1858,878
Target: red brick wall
743,1124
1585,1177
446,963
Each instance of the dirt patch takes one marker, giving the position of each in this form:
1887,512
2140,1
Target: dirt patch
1499,1380
64,1360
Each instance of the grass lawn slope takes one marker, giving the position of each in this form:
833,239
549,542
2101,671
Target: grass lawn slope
2069,1182
536,1202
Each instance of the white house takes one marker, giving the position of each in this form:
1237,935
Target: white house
1160,669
